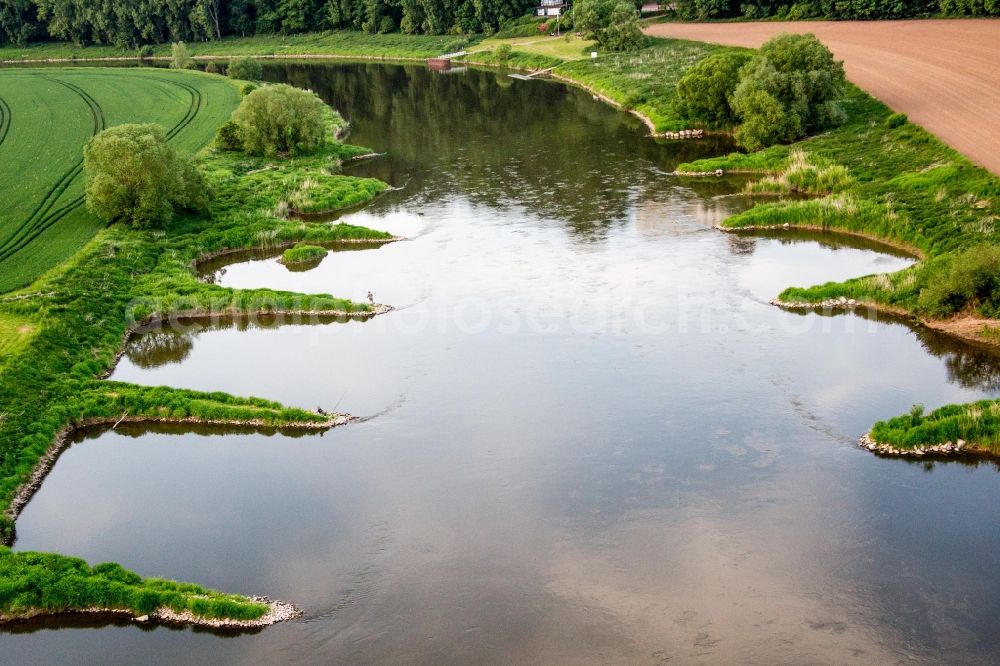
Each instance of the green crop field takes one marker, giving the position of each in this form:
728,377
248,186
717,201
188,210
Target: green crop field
46,117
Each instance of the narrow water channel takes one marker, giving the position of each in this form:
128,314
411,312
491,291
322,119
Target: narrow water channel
592,439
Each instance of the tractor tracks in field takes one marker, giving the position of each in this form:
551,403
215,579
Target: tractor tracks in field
42,217
5,117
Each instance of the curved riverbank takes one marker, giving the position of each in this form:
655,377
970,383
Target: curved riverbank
906,248
198,264
63,439
966,329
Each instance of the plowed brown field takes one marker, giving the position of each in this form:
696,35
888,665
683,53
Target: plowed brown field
944,74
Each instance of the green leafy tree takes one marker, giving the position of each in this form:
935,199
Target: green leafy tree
799,74
18,22
135,177
613,23
247,69
704,9
765,120
281,119
590,17
623,32
706,88
206,16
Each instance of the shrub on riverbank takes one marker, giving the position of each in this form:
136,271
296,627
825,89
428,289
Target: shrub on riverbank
790,88
246,69
135,177
706,88
968,281
180,57
228,136
32,582
502,54
281,119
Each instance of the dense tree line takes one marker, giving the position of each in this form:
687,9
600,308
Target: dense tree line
131,23
834,9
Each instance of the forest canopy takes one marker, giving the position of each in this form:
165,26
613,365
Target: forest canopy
133,23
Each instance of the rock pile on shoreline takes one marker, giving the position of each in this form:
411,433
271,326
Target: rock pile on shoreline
842,302
701,174
866,442
278,611
683,134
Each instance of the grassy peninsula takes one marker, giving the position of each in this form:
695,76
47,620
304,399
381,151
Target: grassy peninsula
65,331
33,584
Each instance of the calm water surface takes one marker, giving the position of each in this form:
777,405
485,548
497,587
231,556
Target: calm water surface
592,439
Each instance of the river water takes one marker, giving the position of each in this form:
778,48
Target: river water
591,439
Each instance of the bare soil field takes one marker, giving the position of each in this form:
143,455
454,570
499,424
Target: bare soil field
944,74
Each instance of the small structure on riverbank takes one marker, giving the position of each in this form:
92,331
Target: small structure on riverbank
555,8
443,62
